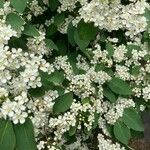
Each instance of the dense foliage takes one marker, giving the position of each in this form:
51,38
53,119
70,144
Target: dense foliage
74,74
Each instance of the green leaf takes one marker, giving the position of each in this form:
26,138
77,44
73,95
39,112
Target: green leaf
59,89
16,42
37,92
53,4
63,103
100,67
19,5
1,3
70,33
130,48
96,118
59,19
62,46
7,136
135,70
52,29
57,77
147,14
72,130
110,49
122,132
50,44
147,57
25,136
85,100
86,31
69,139
30,30
109,71
15,21
72,60
82,44
132,119
109,95
119,86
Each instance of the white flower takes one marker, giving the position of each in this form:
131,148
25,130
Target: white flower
146,92
122,72
5,33
15,110
36,8
19,117
119,53
3,92
7,108
106,144
113,16
41,146
116,111
37,45
69,5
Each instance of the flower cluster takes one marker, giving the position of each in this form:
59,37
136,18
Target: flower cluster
37,45
113,16
105,144
15,110
116,111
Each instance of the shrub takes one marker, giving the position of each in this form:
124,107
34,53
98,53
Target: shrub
74,74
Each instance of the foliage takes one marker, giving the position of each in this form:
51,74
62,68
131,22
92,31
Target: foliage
74,75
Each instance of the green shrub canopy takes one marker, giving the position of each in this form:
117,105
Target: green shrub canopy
74,74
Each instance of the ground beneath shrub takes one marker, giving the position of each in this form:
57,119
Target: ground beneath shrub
140,144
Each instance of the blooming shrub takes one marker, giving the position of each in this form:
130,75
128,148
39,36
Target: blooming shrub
74,74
